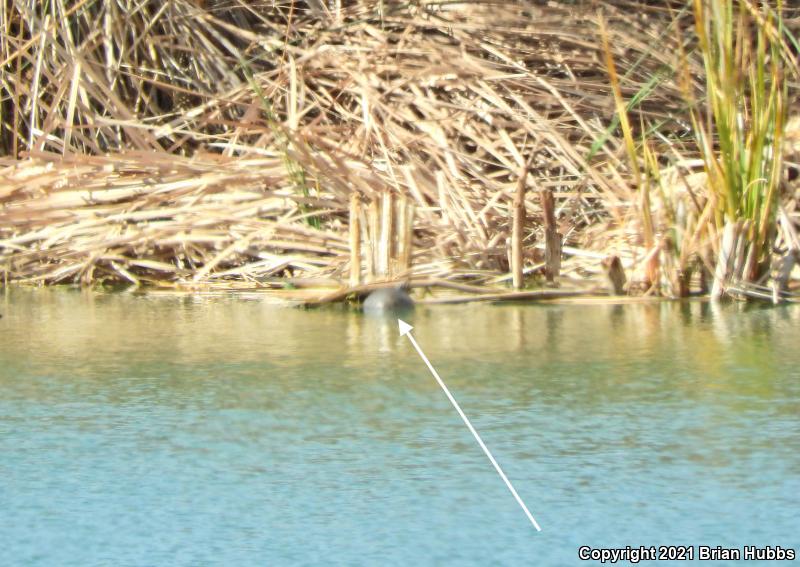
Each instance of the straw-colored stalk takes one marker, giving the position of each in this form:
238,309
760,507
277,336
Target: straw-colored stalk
642,185
518,230
355,240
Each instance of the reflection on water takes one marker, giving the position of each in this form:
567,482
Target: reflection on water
224,430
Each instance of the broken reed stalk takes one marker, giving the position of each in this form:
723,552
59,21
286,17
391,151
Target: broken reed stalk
355,239
400,234
614,275
783,267
722,274
518,230
552,242
405,230
387,236
373,263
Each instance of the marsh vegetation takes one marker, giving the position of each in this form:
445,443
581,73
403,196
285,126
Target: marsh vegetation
322,145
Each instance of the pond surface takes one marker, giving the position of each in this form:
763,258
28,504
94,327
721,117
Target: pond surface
173,430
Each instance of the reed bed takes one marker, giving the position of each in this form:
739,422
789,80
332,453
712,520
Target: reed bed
200,143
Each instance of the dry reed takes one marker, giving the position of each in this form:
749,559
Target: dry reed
191,143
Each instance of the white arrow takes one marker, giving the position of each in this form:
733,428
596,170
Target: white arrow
405,329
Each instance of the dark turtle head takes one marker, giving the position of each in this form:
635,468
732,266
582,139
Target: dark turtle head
389,300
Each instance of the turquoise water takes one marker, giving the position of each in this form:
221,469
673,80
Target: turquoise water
169,430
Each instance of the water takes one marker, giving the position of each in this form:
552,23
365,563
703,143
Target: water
170,430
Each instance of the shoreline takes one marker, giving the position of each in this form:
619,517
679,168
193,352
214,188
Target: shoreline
433,294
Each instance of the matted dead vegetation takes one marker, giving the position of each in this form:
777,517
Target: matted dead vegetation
189,143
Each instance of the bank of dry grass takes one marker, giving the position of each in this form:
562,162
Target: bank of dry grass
198,143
